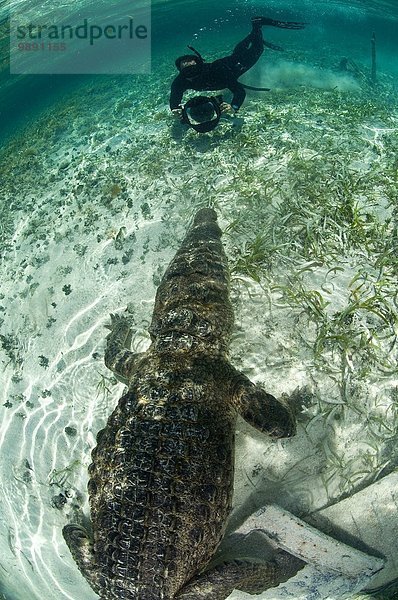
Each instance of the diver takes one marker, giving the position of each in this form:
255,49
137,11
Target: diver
196,74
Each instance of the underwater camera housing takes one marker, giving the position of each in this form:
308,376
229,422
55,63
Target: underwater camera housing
202,113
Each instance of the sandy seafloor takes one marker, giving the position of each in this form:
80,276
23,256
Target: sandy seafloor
98,194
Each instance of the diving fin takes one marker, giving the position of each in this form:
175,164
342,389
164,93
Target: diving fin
256,89
281,24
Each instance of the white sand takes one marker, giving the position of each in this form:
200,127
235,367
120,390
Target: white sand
77,252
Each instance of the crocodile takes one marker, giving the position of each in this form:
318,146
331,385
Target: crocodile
161,478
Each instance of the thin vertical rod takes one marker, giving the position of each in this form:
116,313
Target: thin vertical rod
373,70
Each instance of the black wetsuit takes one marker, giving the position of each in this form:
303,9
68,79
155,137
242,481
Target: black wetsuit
224,72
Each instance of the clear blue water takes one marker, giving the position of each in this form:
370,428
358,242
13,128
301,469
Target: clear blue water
344,26
97,186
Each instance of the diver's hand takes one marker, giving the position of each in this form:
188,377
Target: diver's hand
226,108
177,113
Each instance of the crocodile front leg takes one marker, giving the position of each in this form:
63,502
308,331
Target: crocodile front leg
118,356
218,583
263,411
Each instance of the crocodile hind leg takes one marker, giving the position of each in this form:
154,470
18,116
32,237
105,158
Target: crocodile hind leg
81,547
219,582
263,411
118,356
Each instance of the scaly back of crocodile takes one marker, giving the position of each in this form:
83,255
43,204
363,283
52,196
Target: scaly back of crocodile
162,472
